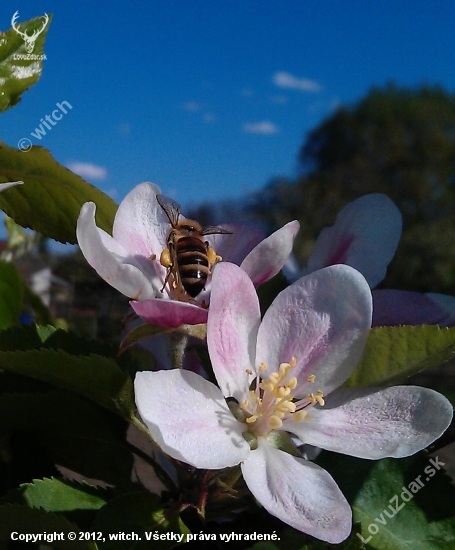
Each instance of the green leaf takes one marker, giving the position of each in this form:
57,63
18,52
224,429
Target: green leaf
22,520
95,377
394,353
52,196
24,337
415,492
79,435
11,295
138,513
55,495
20,74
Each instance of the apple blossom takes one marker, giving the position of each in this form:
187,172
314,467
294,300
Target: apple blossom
365,236
280,376
129,259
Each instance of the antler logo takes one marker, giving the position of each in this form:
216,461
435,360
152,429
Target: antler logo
29,40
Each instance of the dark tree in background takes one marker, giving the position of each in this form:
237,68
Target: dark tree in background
396,141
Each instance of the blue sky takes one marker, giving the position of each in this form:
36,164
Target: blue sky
211,99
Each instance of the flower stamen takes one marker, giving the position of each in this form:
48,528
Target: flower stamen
272,400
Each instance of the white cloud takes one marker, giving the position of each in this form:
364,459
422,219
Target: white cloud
265,127
192,106
287,80
247,92
209,118
88,170
280,99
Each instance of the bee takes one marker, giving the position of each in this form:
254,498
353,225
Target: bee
188,258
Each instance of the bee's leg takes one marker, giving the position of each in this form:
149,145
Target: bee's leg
212,256
166,261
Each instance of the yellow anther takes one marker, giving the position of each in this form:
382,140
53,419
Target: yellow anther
266,385
319,398
311,378
274,377
262,367
300,415
291,383
275,422
252,419
293,362
286,406
245,404
249,371
311,398
284,367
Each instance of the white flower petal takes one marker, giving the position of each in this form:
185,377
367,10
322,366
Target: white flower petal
376,423
110,260
169,313
365,236
403,307
322,320
232,325
269,256
236,246
140,224
5,186
298,492
189,419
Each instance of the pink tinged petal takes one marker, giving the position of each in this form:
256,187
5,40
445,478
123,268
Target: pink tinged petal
140,224
365,236
376,423
5,186
189,419
232,325
169,313
110,260
298,492
322,320
402,307
235,247
269,256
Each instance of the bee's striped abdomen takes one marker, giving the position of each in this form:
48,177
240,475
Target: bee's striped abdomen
193,264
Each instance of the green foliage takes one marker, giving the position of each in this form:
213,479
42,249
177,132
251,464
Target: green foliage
77,435
424,519
138,513
395,141
14,518
52,196
55,495
394,353
20,74
94,376
11,292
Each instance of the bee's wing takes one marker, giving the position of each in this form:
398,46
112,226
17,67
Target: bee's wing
214,230
171,208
